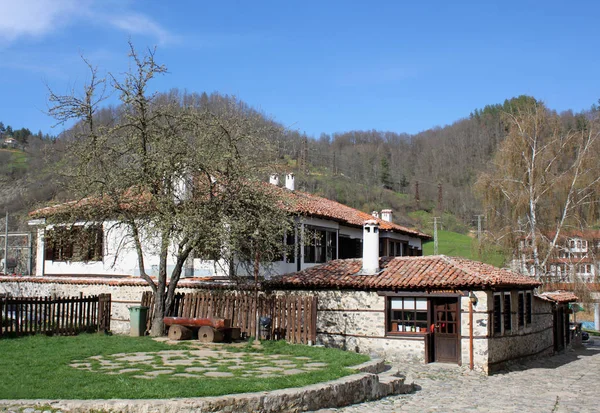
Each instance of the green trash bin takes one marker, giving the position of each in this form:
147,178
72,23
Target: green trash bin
137,321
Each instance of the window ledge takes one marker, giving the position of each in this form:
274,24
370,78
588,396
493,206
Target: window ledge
405,334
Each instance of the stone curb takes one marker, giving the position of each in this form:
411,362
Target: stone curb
352,389
374,366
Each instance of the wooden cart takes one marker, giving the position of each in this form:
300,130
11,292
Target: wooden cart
209,330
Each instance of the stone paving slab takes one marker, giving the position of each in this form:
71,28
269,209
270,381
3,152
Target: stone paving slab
197,362
568,382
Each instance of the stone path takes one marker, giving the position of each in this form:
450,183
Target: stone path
565,383
198,363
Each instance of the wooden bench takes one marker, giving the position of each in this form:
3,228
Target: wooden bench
209,330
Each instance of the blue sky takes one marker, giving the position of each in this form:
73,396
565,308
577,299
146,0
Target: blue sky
323,66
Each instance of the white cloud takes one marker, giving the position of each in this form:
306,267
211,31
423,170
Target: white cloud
34,18
139,24
38,18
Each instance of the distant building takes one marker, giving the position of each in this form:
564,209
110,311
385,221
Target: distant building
10,142
575,259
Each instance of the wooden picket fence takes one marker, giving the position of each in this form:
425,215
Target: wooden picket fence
61,316
294,317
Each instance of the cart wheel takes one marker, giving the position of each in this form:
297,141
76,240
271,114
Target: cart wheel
177,332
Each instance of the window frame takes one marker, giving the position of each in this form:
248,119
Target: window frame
497,312
507,312
411,320
521,309
528,307
502,314
320,242
66,243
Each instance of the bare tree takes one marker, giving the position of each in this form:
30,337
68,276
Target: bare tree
180,178
540,177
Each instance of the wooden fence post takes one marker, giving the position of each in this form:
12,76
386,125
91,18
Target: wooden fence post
104,307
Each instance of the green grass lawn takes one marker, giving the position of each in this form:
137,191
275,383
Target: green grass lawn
458,245
39,367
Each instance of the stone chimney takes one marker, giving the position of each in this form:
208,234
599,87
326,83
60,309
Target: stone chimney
370,247
274,179
375,214
289,181
386,215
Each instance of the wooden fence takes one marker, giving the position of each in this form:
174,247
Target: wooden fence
293,317
47,315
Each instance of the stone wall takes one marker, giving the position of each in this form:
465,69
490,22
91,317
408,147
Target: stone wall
355,321
533,340
480,331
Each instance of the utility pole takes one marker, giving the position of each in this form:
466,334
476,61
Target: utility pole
479,227
435,236
440,197
305,153
417,199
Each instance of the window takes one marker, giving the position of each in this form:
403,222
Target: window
502,315
497,314
507,313
394,249
76,243
407,315
290,247
320,245
529,309
521,309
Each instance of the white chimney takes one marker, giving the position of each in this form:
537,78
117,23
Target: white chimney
289,181
370,247
274,179
375,214
386,215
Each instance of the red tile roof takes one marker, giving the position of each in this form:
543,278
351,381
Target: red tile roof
559,296
308,204
435,272
197,282
294,201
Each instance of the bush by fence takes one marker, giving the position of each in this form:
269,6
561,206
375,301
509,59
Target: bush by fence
49,315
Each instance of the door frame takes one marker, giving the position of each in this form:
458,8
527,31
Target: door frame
431,357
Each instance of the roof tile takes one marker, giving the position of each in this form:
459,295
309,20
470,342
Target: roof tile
431,272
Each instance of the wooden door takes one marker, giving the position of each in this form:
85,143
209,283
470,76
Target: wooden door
446,332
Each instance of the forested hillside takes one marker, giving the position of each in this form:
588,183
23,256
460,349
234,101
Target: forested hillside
433,171
25,179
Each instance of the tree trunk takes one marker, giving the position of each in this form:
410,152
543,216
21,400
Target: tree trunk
158,326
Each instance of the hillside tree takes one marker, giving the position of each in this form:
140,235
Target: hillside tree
541,176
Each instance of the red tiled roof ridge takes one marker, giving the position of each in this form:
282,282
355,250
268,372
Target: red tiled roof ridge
386,225
303,203
425,272
559,296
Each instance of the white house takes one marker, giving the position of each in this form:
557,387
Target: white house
576,258
326,230
10,142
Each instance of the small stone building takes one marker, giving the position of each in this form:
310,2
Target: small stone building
427,309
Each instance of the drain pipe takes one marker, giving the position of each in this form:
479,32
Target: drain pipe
472,301
471,335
